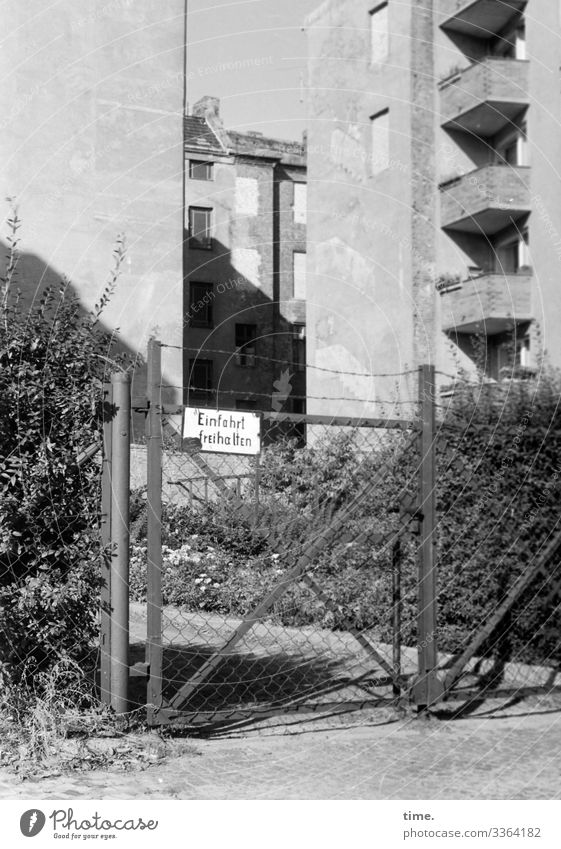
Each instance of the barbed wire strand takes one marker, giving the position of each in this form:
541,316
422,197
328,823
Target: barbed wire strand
240,351
240,392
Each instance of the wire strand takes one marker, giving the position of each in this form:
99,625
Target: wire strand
289,362
194,389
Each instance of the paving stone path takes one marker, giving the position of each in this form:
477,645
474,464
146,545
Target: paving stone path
496,753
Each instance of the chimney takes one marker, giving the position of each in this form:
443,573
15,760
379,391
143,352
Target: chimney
207,107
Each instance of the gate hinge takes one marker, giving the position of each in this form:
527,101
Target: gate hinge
140,404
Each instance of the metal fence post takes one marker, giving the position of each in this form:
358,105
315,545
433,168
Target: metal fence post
105,612
396,611
257,484
154,528
120,500
427,688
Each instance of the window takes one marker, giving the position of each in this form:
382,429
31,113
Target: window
300,202
201,379
299,406
200,170
379,44
246,344
299,275
200,227
244,404
299,347
380,141
201,296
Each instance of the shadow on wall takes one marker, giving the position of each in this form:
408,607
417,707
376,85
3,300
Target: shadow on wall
221,304
33,276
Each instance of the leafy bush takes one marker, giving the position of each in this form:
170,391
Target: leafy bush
53,358
498,488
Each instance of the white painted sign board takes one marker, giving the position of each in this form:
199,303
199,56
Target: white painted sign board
223,431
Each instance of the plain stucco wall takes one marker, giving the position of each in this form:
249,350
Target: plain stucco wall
360,275
91,147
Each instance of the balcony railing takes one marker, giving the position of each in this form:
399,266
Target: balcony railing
484,97
485,200
478,18
491,303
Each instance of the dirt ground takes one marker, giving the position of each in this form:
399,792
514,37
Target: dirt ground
498,752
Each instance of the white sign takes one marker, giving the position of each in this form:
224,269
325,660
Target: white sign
223,431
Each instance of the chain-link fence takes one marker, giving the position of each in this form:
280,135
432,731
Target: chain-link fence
285,555
277,588
304,577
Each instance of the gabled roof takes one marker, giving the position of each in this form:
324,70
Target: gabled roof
199,136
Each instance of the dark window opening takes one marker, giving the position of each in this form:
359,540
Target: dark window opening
201,296
201,379
246,345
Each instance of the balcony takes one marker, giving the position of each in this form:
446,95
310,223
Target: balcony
479,18
485,200
485,97
491,303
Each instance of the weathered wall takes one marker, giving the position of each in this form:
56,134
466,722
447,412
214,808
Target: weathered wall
360,239
544,136
91,147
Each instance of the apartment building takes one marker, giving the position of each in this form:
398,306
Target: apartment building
435,211
244,267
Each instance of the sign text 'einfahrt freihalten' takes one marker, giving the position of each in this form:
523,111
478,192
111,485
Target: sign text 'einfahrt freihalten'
223,431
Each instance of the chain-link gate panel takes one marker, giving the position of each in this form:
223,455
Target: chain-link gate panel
280,572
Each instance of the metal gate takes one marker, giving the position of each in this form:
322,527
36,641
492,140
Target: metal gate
313,618
320,592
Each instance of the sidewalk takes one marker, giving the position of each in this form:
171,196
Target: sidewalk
509,754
